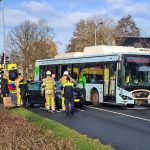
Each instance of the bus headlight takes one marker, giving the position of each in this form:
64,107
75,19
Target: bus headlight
126,97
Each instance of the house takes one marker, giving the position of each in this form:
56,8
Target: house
134,42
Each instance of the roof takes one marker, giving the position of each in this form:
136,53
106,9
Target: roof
69,55
103,50
134,41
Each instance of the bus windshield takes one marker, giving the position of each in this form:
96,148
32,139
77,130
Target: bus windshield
135,70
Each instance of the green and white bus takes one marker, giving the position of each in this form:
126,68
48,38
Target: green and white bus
114,74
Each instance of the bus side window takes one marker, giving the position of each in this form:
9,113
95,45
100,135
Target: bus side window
63,69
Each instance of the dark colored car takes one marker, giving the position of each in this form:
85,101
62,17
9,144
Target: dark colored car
34,95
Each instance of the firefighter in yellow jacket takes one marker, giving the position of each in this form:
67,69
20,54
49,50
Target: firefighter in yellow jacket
49,89
63,80
19,101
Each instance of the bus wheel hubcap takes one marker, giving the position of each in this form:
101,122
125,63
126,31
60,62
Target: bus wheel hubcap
95,98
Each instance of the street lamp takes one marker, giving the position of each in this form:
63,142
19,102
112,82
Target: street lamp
96,31
4,44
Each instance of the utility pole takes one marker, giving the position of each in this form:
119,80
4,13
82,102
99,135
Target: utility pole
96,32
4,41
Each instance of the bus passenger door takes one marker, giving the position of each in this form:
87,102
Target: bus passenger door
110,83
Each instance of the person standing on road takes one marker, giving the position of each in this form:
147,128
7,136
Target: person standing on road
29,79
1,75
4,86
68,95
63,80
48,86
19,102
83,81
23,91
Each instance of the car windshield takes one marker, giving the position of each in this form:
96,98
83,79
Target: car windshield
136,71
34,86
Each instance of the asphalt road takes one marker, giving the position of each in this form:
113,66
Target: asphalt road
123,129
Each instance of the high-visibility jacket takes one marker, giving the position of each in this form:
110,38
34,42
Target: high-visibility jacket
82,80
30,79
68,90
48,84
63,80
23,86
17,84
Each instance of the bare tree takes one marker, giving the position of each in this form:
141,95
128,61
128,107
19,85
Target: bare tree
30,41
84,33
126,27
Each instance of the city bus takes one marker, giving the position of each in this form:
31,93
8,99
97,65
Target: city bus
114,74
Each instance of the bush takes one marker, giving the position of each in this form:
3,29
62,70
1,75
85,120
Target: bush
17,133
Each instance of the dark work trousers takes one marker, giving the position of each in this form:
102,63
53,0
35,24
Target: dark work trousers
67,101
24,98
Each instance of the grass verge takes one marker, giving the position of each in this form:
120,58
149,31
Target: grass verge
19,134
81,142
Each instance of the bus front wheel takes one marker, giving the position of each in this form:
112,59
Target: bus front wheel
95,98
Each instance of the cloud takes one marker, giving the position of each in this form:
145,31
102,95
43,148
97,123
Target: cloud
125,7
138,8
15,16
68,20
64,14
37,6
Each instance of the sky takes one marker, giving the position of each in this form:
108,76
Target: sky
62,15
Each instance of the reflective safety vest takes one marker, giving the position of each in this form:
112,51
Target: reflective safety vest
62,80
17,84
83,81
23,86
68,90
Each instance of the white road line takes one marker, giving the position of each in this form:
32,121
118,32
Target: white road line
148,120
42,108
79,109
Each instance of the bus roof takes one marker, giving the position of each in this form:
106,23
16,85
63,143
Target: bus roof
103,50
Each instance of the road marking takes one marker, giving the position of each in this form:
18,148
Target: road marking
142,108
42,108
118,113
79,109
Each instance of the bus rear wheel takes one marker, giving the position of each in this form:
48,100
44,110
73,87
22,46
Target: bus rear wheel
95,98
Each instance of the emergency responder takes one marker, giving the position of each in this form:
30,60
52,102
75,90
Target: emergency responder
62,80
23,91
19,102
1,73
68,95
48,86
4,86
83,81
30,79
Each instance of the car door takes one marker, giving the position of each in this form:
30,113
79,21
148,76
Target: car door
34,93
